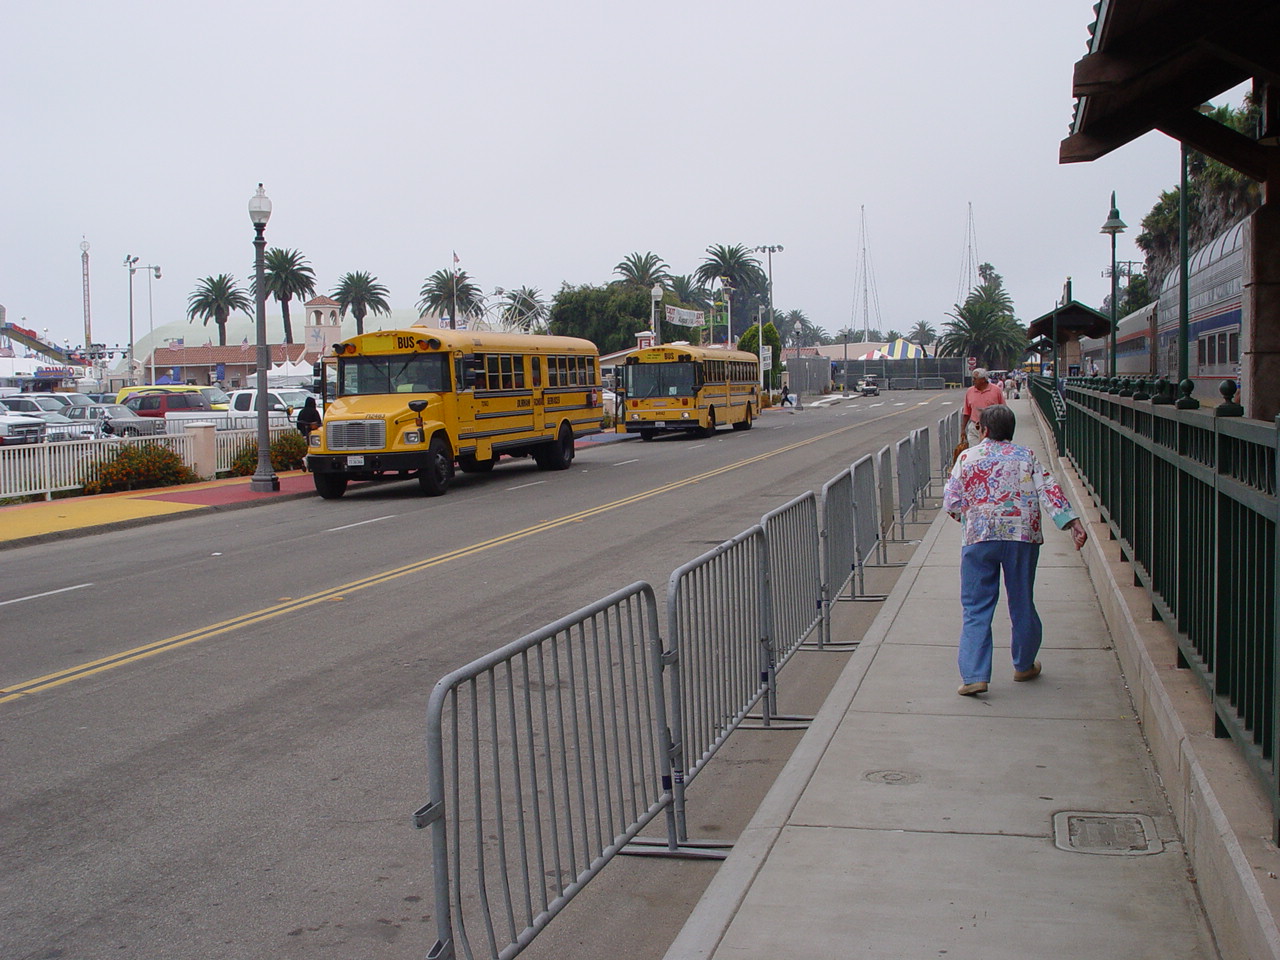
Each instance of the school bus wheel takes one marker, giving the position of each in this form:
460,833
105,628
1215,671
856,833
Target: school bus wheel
330,486
744,423
437,471
556,454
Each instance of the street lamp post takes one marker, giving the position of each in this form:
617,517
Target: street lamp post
726,287
151,320
1186,402
264,477
654,320
1113,226
769,250
132,264
793,331
845,369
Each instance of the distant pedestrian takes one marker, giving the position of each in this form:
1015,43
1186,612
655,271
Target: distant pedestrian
786,397
977,398
1009,385
999,491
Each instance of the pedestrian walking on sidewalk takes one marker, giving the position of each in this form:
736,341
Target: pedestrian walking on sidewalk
998,491
977,398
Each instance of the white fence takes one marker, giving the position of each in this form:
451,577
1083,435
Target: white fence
43,469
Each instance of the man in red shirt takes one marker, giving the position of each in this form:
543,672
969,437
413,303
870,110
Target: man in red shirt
977,398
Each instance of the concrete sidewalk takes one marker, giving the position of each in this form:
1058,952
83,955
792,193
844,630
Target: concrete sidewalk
911,822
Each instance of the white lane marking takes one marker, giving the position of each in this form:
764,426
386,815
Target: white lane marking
47,593
361,523
695,446
901,403
523,485
623,463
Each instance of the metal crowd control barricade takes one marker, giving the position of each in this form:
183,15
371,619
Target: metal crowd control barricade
717,656
906,462
884,485
868,529
544,759
794,573
924,469
840,564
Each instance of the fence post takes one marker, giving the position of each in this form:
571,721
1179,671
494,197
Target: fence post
204,448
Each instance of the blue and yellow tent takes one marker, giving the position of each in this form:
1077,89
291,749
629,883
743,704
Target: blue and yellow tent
904,350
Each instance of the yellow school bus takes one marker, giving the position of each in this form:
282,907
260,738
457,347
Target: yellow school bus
682,387
413,403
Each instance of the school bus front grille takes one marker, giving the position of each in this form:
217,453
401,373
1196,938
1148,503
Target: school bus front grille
356,434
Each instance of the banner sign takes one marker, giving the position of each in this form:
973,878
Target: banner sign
687,318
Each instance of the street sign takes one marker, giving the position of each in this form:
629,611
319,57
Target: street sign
973,363
766,357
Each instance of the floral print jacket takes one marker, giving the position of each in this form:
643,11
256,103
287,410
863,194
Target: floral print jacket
998,491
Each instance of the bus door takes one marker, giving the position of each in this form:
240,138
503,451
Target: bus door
537,384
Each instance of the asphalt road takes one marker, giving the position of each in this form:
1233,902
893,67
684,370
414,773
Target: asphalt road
229,743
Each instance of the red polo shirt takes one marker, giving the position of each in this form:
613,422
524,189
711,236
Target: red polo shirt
975,400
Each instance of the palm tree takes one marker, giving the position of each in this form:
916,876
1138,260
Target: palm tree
450,293
214,298
287,275
977,329
801,331
362,294
922,333
737,268
643,269
524,309
689,292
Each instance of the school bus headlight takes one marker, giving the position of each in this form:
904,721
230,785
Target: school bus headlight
684,414
413,436
635,416
313,438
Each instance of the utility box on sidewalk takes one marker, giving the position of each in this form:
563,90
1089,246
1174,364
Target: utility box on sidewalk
204,448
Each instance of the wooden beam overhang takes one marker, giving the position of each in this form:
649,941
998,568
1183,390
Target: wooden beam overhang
1154,62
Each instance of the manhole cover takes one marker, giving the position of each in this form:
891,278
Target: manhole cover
896,777
1108,834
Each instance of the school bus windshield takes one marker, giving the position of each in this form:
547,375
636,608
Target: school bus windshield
661,379
409,373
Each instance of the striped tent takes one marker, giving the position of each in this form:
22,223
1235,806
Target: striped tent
873,355
904,350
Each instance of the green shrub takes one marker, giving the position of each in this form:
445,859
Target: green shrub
286,451
137,467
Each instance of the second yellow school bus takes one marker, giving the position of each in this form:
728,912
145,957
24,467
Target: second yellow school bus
682,387
415,402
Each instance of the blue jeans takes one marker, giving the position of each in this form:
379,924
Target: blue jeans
980,566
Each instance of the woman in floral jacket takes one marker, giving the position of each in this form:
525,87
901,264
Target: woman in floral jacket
999,492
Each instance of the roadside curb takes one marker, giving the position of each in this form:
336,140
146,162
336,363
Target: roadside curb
111,526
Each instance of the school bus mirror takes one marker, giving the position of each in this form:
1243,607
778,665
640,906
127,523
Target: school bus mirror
417,406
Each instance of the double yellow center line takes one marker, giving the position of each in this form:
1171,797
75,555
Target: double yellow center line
52,680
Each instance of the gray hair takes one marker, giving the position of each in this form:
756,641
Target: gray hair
999,422
980,374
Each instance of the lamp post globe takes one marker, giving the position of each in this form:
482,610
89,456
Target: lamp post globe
655,321
264,478
1113,226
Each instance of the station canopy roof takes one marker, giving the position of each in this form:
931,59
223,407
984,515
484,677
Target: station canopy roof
1074,320
1151,64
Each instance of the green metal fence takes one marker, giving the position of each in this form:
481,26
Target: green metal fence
1191,498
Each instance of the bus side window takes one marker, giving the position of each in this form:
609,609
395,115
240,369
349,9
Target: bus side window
471,370
537,370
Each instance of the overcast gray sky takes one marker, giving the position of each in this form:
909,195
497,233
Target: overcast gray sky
545,142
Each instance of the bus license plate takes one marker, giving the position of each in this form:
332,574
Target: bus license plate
355,461
659,423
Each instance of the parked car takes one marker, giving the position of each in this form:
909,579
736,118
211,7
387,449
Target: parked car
60,427
286,400
115,419
16,429
34,403
869,387
216,396
162,402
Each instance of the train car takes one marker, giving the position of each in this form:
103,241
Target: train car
1147,339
